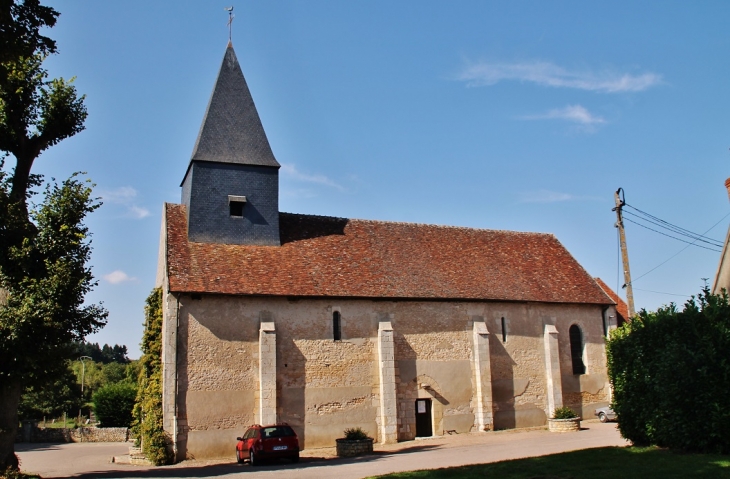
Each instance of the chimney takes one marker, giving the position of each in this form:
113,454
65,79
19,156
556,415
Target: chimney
727,185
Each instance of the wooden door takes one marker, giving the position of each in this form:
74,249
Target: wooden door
424,427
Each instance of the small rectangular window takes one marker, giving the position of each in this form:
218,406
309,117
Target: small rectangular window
336,326
235,205
504,331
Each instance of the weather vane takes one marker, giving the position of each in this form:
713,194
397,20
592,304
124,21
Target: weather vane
231,16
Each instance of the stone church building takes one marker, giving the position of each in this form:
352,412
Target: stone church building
325,323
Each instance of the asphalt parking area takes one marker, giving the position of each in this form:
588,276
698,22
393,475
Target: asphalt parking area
93,460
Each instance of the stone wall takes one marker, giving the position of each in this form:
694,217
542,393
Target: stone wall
32,433
324,386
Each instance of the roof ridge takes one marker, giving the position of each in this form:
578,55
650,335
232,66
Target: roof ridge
408,223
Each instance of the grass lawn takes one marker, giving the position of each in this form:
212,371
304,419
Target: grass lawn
606,462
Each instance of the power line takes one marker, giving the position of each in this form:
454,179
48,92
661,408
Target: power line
661,292
678,252
670,226
679,231
689,243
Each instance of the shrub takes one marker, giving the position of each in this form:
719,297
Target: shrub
12,474
564,413
148,406
113,404
670,372
355,434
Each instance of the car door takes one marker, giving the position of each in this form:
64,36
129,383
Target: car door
248,439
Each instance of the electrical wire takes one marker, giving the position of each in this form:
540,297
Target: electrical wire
689,243
678,252
667,225
661,292
680,231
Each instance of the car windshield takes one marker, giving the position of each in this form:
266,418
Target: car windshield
277,431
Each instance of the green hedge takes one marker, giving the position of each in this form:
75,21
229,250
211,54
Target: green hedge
113,404
148,407
670,371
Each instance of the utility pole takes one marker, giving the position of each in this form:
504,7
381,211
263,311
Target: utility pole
620,202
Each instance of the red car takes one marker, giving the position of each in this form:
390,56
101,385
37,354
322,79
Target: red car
267,442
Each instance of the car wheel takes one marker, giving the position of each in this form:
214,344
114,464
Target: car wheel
602,417
252,458
239,456
295,458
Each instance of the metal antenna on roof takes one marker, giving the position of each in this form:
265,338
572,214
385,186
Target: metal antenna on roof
231,16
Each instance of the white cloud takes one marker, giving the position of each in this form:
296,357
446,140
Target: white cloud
138,212
121,195
125,196
547,196
549,74
298,193
291,171
117,277
574,113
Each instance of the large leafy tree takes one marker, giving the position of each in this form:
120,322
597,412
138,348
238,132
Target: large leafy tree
44,246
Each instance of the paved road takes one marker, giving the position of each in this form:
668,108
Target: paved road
92,460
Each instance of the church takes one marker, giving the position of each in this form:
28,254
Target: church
404,330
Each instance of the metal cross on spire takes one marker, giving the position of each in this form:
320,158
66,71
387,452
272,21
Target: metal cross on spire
231,16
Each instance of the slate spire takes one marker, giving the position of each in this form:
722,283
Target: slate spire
231,131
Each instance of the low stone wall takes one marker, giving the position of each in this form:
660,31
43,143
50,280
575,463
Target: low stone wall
30,433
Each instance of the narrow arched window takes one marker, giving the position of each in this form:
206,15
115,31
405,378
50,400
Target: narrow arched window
576,350
336,326
504,330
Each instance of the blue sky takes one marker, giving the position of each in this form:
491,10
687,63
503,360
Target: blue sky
504,115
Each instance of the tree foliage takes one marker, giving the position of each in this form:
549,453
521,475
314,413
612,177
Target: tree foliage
62,395
20,24
148,423
44,247
105,354
670,371
113,404
46,278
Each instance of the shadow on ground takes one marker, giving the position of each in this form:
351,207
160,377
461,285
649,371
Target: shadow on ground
222,470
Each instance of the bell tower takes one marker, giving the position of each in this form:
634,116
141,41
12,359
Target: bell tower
231,186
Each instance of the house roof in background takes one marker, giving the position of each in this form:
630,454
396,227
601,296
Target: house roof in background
339,257
621,307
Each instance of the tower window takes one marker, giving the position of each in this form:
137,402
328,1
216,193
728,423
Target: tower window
576,349
336,326
504,330
235,205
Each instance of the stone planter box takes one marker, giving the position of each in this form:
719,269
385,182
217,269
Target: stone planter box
564,425
354,447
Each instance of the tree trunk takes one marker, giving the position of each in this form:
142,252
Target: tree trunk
10,392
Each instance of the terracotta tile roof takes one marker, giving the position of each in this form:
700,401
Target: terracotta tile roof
621,307
338,257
